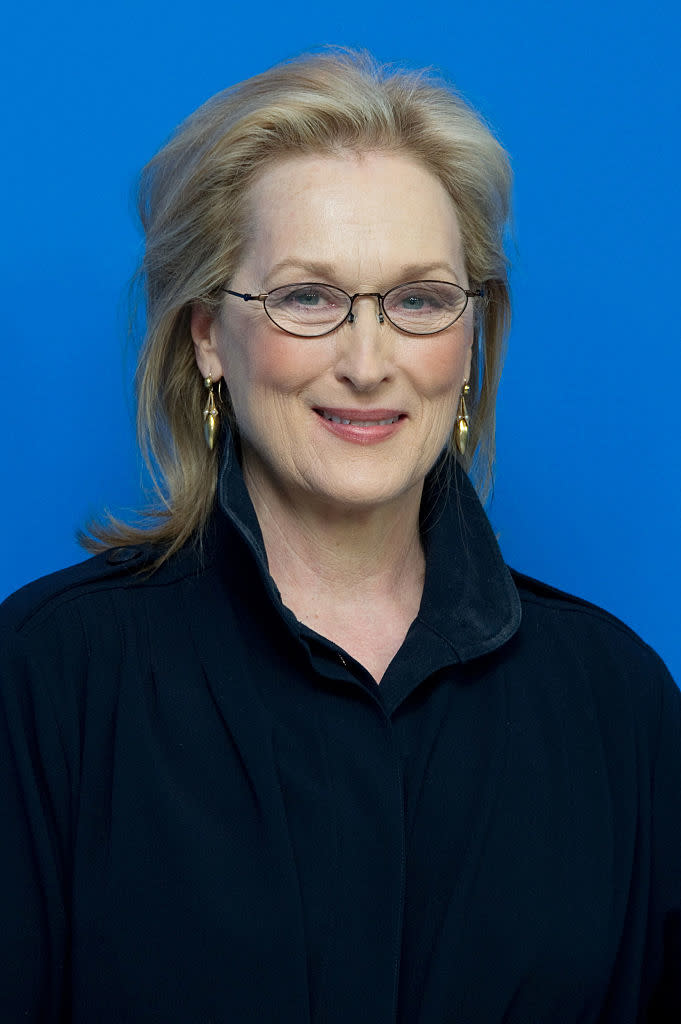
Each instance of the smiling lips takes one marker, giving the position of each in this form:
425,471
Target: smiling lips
361,426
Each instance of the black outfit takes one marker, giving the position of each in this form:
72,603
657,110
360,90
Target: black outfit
213,814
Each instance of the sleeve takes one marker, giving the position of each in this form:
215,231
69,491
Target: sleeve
35,809
665,1006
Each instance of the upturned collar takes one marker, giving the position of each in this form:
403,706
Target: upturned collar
469,597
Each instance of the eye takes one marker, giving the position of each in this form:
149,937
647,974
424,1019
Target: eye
308,309
425,307
418,298
303,297
308,297
413,301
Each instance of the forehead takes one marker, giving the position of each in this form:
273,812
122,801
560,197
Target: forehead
366,213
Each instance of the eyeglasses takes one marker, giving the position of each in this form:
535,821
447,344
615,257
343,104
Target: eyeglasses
311,310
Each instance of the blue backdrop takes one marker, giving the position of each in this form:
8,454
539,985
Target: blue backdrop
586,99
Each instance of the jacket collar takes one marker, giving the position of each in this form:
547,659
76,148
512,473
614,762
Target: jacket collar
469,598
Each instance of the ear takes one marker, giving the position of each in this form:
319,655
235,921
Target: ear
205,330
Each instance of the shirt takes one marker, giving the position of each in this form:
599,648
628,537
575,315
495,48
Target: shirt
213,814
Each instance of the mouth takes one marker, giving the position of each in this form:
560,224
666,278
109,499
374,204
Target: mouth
361,417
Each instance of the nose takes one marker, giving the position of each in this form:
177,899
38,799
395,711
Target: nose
365,345
367,295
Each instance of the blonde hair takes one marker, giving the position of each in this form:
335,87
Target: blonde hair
193,207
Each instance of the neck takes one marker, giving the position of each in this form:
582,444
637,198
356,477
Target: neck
327,554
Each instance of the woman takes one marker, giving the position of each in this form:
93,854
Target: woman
304,749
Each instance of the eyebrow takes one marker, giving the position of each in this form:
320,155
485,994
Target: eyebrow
327,272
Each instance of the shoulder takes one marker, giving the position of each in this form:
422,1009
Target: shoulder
572,612
576,641
116,572
71,640
86,628
113,568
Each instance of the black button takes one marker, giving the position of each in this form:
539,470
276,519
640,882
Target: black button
119,556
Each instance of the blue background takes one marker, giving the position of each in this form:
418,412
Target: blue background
585,98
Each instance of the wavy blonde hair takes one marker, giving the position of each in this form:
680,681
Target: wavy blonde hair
193,207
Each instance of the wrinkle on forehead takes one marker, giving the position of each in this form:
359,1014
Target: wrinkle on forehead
366,215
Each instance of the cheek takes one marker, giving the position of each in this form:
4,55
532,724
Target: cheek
265,365
442,369
286,364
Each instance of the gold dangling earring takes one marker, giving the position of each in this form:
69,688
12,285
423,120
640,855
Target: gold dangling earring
461,429
211,416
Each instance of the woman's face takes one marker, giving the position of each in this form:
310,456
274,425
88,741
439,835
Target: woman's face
365,223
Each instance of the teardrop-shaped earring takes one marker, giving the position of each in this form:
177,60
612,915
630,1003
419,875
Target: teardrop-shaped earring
461,428
211,417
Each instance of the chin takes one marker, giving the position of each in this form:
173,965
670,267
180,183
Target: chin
358,493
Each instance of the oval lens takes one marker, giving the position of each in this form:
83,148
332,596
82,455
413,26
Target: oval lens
424,307
308,308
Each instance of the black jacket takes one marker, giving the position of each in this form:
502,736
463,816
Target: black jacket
213,814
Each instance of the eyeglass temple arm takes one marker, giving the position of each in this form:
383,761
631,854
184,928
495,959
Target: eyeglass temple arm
246,296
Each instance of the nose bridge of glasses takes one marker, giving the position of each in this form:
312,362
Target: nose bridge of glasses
352,316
